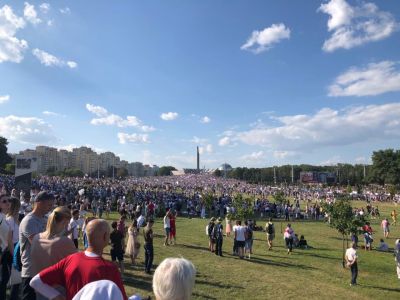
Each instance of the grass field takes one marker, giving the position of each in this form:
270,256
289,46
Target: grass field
313,274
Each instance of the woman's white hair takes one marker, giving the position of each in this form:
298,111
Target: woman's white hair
174,279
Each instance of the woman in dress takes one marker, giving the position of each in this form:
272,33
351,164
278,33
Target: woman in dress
133,245
228,227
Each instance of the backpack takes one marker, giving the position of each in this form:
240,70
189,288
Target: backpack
16,262
270,229
249,233
210,229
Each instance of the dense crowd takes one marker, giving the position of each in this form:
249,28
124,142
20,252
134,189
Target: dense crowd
39,229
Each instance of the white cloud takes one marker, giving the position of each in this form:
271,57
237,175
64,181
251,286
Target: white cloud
283,154
26,130
146,128
198,141
4,99
132,138
205,120
50,60
169,116
50,113
331,161
225,141
253,156
375,79
50,22
44,7
97,110
260,41
65,11
30,14
206,149
327,127
360,160
11,48
353,26
106,118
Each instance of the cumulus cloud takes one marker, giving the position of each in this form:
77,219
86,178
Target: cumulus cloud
11,48
44,7
169,116
352,26
106,118
253,156
30,14
65,10
132,138
206,149
375,79
327,127
225,141
198,141
97,110
52,114
205,120
263,40
50,60
26,130
279,154
4,98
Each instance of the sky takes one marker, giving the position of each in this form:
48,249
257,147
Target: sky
252,83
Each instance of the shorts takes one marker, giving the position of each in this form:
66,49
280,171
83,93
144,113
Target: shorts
167,231
249,244
240,244
270,236
117,255
386,230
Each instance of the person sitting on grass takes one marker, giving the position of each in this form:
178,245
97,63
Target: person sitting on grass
303,243
383,246
174,279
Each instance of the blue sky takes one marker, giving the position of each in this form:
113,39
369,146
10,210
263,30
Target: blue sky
279,81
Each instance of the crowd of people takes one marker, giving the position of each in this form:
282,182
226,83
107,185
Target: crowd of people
39,230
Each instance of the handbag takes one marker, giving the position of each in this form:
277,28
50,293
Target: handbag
15,277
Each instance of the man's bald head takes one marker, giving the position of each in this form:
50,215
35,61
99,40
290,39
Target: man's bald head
98,233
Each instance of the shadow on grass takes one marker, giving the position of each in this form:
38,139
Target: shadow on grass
219,285
136,282
257,260
192,247
302,252
381,288
202,296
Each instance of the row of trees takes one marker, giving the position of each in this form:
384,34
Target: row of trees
385,169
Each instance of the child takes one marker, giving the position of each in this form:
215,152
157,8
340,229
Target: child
85,240
73,227
116,240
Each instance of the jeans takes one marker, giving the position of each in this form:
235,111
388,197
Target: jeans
5,272
28,293
218,247
354,273
289,243
148,257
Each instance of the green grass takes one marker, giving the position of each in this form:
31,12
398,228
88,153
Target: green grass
313,274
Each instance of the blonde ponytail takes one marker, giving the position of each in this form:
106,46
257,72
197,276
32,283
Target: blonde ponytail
58,215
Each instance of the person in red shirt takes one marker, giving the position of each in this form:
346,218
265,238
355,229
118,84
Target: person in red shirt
77,270
172,228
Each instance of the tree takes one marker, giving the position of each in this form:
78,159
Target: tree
10,168
4,157
343,220
122,172
242,207
165,170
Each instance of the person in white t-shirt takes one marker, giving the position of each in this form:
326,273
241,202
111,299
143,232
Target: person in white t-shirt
73,227
167,227
351,262
240,237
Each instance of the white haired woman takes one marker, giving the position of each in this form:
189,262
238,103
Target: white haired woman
174,279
